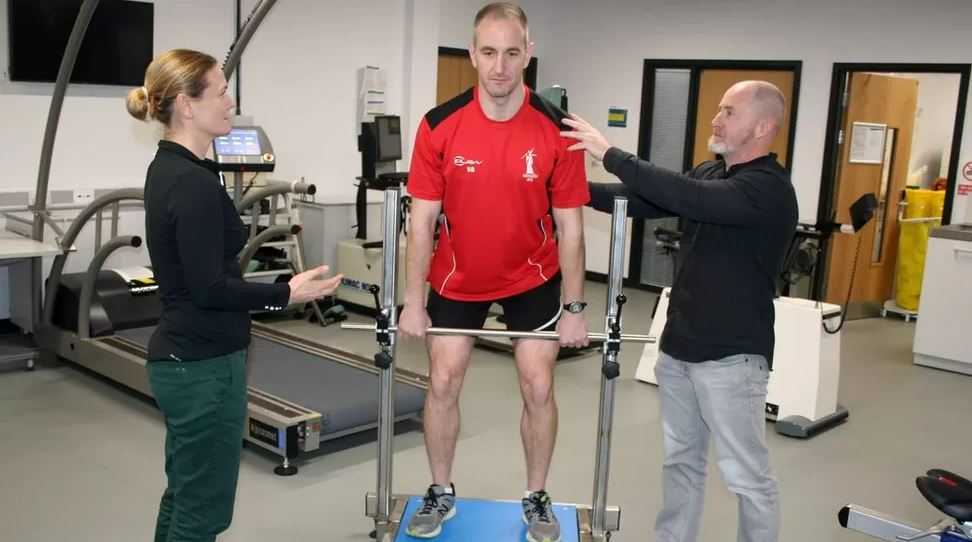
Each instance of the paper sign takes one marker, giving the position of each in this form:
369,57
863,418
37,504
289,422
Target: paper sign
371,99
618,117
867,143
964,189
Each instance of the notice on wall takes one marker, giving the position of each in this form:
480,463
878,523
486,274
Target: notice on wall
373,94
617,117
964,189
867,143
967,171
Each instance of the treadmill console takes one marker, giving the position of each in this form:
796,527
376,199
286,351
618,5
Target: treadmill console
245,148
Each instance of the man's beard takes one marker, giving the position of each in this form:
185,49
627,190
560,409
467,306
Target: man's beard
718,147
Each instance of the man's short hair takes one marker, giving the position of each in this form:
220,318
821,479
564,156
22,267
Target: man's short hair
770,101
502,10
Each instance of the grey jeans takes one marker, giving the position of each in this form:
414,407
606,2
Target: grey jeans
725,399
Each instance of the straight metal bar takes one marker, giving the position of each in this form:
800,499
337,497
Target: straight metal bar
385,525
602,461
503,333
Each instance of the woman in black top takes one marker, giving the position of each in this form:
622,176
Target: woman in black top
194,235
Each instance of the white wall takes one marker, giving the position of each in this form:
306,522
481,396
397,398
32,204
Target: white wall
98,144
934,123
300,75
598,50
299,81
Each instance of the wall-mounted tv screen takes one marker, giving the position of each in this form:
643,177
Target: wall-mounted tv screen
116,49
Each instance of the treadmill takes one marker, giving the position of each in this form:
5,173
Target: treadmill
300,392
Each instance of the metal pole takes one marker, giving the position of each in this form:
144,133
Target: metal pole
47,148
386,376
245,33
606,410
54,113
503,333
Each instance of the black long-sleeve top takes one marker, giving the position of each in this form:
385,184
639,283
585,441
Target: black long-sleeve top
194,238
739,224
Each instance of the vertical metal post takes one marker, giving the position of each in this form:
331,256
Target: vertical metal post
610,351
238,187
386,375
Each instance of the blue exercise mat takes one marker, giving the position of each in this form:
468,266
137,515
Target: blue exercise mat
489,521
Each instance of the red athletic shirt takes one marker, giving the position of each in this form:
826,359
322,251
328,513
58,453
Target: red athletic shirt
497,182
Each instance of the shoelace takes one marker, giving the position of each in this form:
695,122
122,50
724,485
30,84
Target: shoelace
429,503
539,508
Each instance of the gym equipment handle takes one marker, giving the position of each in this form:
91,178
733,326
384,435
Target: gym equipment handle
550,335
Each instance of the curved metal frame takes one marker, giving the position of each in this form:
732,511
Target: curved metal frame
250,249
54,279
91,275
233,59
54,113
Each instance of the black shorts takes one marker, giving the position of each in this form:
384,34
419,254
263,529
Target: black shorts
533,310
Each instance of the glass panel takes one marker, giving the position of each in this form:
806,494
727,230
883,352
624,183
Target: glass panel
667,149
877,251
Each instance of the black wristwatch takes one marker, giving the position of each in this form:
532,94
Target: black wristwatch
574,306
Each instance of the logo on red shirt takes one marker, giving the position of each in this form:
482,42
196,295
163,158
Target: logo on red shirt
529,174
470,165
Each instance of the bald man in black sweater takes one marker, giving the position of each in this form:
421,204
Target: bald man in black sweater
740,214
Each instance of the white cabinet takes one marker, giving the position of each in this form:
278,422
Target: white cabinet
942,334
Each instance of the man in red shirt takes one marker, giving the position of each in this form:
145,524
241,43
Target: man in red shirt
492,163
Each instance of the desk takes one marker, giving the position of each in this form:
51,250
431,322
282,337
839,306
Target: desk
19,254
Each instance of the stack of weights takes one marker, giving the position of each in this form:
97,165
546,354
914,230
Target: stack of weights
913,244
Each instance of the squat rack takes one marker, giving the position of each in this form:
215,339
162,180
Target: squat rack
596,521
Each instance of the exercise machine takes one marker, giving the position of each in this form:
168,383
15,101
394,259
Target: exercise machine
359,259
495,520
802,391
301,392
948,492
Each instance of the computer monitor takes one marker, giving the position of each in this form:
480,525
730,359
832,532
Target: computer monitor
388,132
380,144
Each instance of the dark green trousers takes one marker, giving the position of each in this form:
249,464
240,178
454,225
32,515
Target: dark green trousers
204,405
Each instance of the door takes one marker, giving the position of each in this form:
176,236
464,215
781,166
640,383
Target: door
679,100
872,99
456,75
714,83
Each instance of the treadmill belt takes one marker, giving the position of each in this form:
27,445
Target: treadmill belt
345,396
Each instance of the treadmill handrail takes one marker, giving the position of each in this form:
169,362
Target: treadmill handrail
54,279
87,287
275,189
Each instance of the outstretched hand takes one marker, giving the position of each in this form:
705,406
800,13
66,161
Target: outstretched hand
311,285
587,136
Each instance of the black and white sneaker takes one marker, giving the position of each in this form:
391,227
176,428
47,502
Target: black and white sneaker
438,505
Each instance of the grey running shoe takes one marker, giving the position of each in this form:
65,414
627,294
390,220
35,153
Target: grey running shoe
437,506
538,514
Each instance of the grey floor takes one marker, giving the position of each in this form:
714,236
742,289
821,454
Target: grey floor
82,458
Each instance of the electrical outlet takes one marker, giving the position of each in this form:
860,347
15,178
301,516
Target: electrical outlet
83,196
